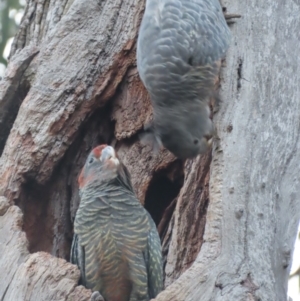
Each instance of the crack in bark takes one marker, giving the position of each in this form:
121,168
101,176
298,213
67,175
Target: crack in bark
8,285
9,87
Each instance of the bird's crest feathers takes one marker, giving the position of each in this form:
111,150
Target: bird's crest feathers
104,165
97,151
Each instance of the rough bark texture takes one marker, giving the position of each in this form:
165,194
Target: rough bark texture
254,205
37,276
227,219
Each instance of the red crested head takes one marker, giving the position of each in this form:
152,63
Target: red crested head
97,151
101,164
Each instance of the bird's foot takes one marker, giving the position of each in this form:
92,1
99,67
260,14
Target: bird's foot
215,103
210,141
230,18
96,296
148,137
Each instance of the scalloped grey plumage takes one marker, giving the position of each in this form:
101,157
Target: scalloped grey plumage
180,45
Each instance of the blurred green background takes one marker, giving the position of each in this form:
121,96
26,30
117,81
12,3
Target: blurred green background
11,12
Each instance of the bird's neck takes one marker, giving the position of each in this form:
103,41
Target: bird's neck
108,194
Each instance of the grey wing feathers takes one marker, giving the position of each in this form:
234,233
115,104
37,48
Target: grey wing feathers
177,34
78,258
211,39
154,262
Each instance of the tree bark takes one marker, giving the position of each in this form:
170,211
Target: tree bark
228,219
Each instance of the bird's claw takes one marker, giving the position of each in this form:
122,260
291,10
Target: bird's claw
215,102
148,137
210,141
229,18
232,16
96,296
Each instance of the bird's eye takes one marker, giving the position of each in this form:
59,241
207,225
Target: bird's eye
196,141
91,160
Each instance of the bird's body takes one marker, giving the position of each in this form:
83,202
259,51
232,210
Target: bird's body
180,45
116,244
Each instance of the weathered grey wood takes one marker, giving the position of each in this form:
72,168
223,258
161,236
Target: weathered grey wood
254,207
189,219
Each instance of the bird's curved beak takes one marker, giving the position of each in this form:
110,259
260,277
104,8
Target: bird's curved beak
109,154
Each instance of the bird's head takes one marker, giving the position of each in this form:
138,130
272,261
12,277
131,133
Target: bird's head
183,144
184,136
103,166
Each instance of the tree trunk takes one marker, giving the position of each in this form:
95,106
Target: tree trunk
227,219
